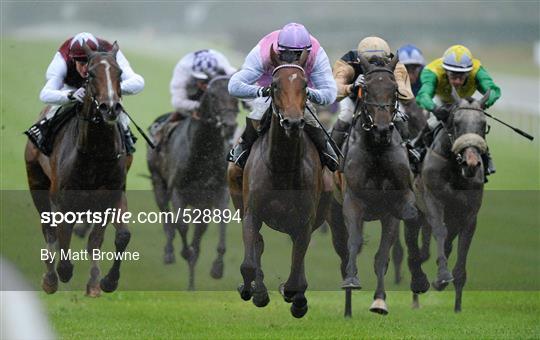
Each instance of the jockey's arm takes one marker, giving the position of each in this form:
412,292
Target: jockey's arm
241,83
131,82
425,95
343,75
484,82
324,89
179,82
405,93
53,92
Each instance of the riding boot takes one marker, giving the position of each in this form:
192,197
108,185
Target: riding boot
489,166
340,132
326,152
239,154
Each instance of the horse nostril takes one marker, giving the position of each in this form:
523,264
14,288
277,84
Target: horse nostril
302,123
391,127
286,123
374,127
103,108
118,108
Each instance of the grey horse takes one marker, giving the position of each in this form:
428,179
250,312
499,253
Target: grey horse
190,170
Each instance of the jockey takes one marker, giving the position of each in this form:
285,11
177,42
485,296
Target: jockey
459,69
411,56
66,76
290,41
349,76
190,78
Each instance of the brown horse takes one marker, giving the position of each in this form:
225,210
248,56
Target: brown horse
377,181
451,185
282,186
86,171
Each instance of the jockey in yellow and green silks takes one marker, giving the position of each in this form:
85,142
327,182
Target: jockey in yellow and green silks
456,68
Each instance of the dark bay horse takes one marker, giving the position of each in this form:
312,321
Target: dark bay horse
451,185
377,181
282,186
86,171
191,170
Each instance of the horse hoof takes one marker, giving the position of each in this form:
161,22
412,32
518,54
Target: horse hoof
442,281
107,285
49,283
351,283
410,213
217,269
65,271
245,294
379,306
281,289
261,299
299,308
169,258
420,284
439,285
186,253
93,291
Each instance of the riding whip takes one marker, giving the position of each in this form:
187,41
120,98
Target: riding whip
141,132
330,140
523,133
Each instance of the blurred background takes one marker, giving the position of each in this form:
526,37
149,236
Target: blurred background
155,35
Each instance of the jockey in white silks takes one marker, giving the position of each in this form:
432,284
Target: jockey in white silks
66,76
254,79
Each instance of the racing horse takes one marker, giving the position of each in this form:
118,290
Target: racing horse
86,171
282,186
190,170
451,185
377,181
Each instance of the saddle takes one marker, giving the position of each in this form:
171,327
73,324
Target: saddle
162,128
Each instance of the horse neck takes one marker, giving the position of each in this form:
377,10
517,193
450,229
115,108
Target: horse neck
206,136
97,139
284,154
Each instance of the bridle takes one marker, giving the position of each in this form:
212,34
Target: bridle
97,118
275,109
367,121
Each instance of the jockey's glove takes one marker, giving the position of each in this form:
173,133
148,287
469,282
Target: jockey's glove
264,91
441,112
78,94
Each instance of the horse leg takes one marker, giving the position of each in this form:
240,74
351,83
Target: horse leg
390,225
39,184
162,198
250,227
435,218
178,204
121,240
200,229
293,290
260,293
80,230
339,235
426,241
397,257
419,281
352,211
95,240
460,270
64,268
217,266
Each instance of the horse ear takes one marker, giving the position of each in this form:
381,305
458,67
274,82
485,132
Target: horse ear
366,66
115,48
455,96
274,58
87,50
484,99
303,57
392,64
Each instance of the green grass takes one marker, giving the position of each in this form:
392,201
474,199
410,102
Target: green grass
504,255
487,315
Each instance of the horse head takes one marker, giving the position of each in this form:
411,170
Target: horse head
378,100
103,85
466,126
218,107
289,91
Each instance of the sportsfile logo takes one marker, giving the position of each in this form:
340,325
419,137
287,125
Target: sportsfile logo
113,215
